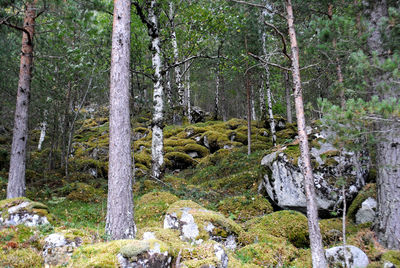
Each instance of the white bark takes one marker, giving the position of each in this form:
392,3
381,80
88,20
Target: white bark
263,110
168,87
187,91
253,105
120,221
267,84
43,127
157,144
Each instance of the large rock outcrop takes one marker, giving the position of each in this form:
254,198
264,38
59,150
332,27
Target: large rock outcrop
283,181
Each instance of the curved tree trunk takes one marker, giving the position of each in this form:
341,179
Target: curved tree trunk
120,222
388,147
16,177
317,249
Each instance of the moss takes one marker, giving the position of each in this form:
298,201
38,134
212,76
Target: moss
392,256
83,192
134,248
331,162
193,131
258,146
179,160
21,257
33,207
87,235
293,153
216,140
288,224
368,190
268,254
201,150
243,208
234,123
143,158
331,230
203,217
329,154
366,240
214,158
178,142
303,259
151,208
98,255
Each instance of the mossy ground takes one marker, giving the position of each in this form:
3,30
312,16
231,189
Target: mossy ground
222,178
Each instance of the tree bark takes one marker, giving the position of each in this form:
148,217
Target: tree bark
288,90
388,146
188,106
16,177
263,110
317,249
120,221
157,143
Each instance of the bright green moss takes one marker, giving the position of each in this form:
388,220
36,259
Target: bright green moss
179,160
178,142
216,140
200,150
331,230
150,208
143,158
84,192
134,248
368,190
293,153
392,256
288,224
243,208
21,258
268,254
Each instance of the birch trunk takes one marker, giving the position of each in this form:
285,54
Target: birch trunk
267,84
188,96
263,110
157,144
388,148
253,105
16,178
317,249
248,115
178,71
168,87
288,90
120,221
43,127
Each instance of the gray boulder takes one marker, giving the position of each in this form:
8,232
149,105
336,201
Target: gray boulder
367,212
355,256
58,250
21,210
284,181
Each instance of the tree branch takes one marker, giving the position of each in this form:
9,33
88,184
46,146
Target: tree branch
269,63
258,6
19,29
284,50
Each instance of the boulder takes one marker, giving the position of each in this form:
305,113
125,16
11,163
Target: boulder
356,257
198,115
284,181
21,210
367,212
197,224
58,250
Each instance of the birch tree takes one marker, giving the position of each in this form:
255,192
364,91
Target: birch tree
120,221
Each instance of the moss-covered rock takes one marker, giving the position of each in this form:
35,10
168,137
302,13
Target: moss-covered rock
392,256
268,254
20,257
243,208
288,224
143,158
332,230
195,223
83,192
178,160
368,190
150,208
200,151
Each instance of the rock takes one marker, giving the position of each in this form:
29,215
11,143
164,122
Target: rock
357,258
58,250
20,210
198,115
196,223
144,253
367,212
283,181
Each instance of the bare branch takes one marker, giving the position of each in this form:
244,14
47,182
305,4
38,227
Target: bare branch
284,50
269,63
19,29
258,6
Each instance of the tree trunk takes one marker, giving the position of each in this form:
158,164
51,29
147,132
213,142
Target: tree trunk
253,104
120,222
388,146
317,249
157,144
187,92
43,127
248,95
16,177
263,110
288,91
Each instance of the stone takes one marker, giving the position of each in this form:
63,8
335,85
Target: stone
367,212
284,181
356,257
198,115
58,250
18,211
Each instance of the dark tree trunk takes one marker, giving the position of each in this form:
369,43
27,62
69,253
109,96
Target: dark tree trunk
16,178
120,222
317,249
288,91
388,147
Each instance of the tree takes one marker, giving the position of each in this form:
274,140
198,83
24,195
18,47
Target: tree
317,249
388,146
120,222
16,177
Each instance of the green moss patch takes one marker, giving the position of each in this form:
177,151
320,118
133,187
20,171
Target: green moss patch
243,208
151,208
288,224
368,190
178,160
